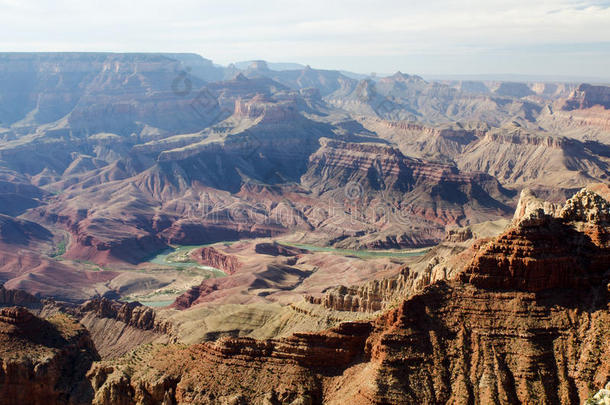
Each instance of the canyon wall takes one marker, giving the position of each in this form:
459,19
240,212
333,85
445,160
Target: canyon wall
501,336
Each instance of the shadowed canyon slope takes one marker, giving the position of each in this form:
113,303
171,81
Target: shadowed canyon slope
43,361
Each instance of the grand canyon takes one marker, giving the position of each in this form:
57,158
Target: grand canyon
174,231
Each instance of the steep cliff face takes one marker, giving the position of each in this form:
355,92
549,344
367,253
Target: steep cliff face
453,343
529,204
384,167
587,96
521,258
130,313
456,343
210,368
413,189
373,296
117,328
20,298
479,339
208,256
43,361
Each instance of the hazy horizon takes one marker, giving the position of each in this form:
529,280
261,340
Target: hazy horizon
551,38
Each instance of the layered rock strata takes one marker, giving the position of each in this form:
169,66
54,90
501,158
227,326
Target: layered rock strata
517,327
575,244
372,296
208,256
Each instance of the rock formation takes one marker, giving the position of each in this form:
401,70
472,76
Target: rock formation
602,397
117,328
130,313
374,295
529,204
574,244
276,249
587,96
20,298
379,184
108,159
43,361
133,163
281,360
494,335
209,256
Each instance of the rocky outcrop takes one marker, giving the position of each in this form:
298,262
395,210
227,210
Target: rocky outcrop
479,346
209,256
472,345
15,316
602,397
588,207
267,110
117,328
336,347
539,252
130,313
383,164
356,173
20,298
442,262
193,294
374,295
43,361
587,96
279,360
458,235
529,204
277,249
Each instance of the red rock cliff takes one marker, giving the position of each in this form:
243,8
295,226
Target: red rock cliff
544,251
208,256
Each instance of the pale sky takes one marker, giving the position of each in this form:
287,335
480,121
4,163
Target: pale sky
540,37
